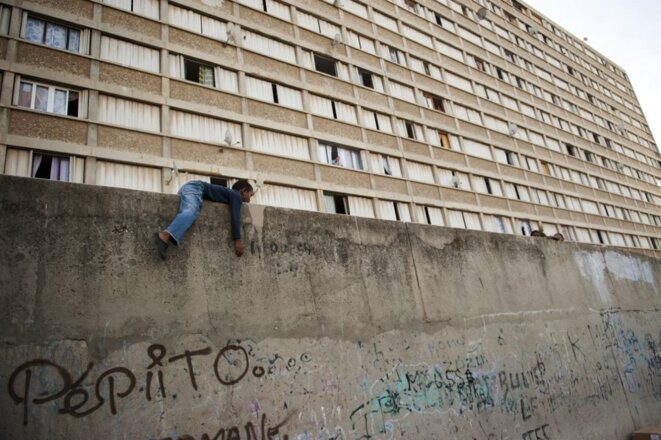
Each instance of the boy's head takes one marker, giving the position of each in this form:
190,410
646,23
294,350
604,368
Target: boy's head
245,189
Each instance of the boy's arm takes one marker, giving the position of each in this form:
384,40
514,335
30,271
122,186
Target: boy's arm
235,219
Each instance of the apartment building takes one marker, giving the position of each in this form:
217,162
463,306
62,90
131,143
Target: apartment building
477,114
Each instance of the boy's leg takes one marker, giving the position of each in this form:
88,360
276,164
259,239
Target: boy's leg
190,203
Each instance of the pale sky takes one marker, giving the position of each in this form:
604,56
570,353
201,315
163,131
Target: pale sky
627,33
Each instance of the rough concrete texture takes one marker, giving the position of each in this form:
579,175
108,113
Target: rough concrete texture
330,327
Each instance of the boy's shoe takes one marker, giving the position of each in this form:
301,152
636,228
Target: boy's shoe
161,246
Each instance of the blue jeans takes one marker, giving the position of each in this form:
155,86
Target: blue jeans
190,203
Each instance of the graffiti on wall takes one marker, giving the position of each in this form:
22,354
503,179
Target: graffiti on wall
496,385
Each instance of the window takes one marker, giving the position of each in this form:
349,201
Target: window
269,47
271,7
121,175
365,78
387,165
332,109
377,121
336,204
340,156
317,25
202,128
429,215
129,54
47,166
200,24
198,72
434,102
324,65
203,73
280,143
286,197
395,55
48,98
27,163
271,92
5,16
148,8
55,35
361,42
444,139
389,210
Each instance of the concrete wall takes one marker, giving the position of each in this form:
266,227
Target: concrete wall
329,327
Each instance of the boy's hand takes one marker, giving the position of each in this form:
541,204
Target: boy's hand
239,249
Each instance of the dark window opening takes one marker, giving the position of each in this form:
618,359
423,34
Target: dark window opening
397,217
410,130
324,65
366,78
571,150
47,166
601,237
439,20
274,88
340,204
489,189
334,109
72,106
198,72
222,181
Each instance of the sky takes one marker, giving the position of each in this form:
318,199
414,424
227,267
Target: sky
628,33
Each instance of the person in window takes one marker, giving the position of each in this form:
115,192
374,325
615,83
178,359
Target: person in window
191,195
335,157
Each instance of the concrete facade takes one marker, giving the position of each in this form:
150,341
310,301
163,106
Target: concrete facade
329,327
583,162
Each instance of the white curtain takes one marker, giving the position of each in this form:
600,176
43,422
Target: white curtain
402,92
385,210
278,9
455,219
435,216
480,184
418,171
346,112
385,21
307,21
259,89
17,162
477,149
131,114
361,207
449,51
226,79
356,8
185,18
269,47
290,97
279,143
176,66
148,8
418,36
214,29
458,82
203,128
286,197
472,221
128,176
404,212
129,54
321,106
